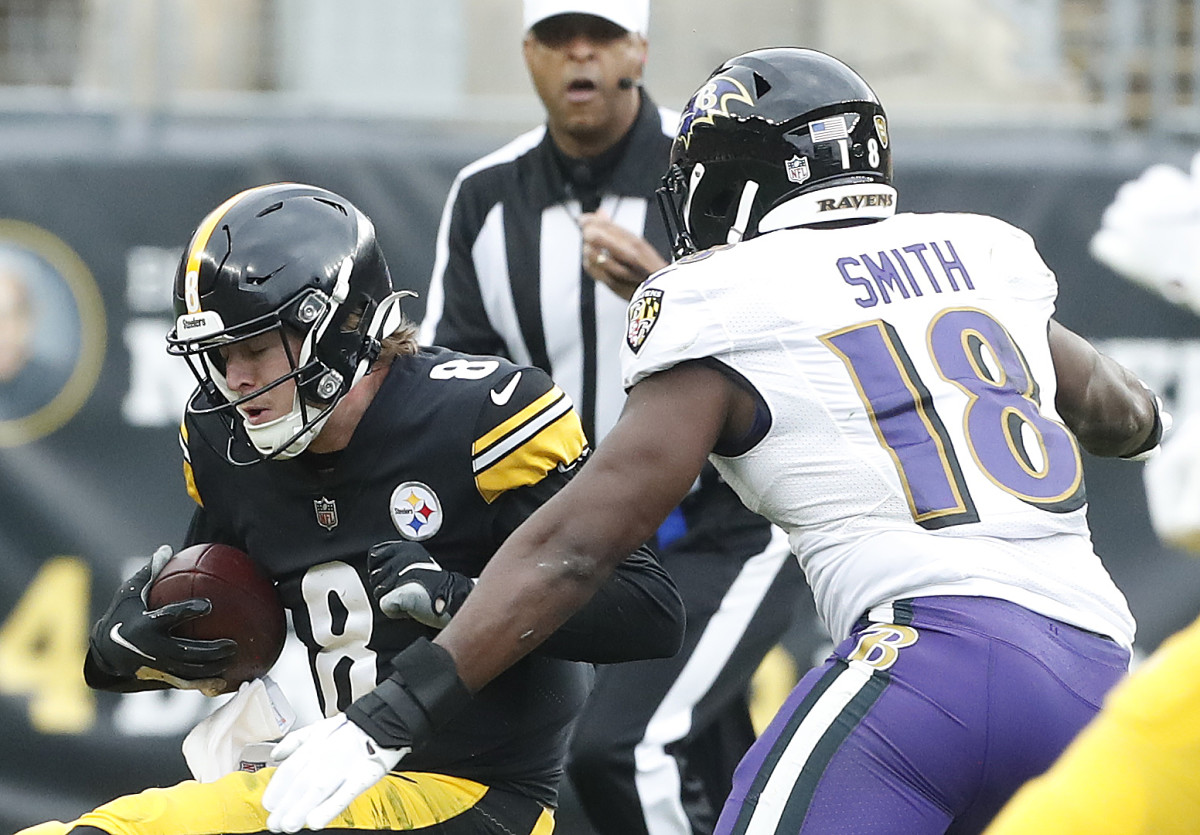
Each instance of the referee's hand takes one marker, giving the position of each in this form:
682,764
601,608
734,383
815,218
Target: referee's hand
616,257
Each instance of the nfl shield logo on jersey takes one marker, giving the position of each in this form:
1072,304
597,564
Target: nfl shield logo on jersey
416,511
326,513
643,313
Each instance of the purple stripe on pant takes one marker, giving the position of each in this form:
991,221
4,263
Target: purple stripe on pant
926,724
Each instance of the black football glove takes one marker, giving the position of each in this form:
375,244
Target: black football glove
409,583
130,641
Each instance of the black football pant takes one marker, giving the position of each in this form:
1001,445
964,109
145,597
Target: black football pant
655,748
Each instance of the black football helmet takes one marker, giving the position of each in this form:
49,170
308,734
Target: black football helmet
767,127
272,259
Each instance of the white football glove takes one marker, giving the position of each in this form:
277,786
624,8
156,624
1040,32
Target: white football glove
1173,488
1150,234
324,766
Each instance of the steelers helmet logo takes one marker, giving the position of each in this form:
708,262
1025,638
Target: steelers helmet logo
416,511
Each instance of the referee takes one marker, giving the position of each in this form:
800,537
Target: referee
541,244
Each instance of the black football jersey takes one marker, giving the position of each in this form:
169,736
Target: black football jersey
454,452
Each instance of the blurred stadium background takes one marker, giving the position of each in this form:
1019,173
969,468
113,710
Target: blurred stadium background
123,121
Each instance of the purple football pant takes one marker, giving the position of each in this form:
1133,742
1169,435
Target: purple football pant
925,720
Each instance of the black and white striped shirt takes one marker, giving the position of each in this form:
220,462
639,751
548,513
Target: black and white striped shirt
508,277
508,280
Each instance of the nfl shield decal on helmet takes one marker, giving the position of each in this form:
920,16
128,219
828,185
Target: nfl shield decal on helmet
416,511
643,313
797,169
881,130
326,513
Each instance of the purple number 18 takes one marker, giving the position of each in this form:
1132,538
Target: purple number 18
1015,446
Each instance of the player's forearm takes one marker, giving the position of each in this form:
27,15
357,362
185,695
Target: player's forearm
1119,417
553,563
1102,403
527,591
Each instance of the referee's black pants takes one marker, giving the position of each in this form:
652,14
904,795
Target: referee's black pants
655,748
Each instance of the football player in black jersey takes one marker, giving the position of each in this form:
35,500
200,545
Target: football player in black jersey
371,479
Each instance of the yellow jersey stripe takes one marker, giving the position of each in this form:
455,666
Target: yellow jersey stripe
559,442
188,475
516,420
519,428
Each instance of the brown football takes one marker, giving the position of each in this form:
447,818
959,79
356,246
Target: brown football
245,605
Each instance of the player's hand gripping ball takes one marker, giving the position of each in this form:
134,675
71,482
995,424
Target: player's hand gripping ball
245,606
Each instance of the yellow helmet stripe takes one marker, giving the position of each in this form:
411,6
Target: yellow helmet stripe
191,278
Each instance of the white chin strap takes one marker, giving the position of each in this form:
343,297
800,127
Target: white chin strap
863,200
270,436
745,205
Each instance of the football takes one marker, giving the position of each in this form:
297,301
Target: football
245,605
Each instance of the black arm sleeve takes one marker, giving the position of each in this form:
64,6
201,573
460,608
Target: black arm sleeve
202,529
637,614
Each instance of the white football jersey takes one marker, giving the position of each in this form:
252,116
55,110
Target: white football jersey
913,448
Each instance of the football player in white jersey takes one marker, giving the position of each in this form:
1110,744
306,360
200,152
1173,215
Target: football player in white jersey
892,390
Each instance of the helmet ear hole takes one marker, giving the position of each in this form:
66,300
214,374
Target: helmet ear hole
721,203
761,85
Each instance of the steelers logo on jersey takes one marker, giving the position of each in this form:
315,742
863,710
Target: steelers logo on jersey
643,314
416,511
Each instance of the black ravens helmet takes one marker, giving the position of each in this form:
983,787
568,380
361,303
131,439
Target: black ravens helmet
287,259
768,127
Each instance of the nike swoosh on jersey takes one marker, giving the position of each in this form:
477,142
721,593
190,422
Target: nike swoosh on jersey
505,394
119,639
